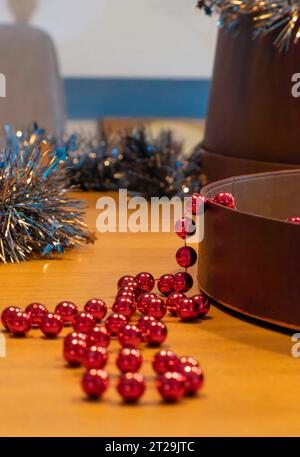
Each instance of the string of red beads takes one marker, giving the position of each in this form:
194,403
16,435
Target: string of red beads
87,344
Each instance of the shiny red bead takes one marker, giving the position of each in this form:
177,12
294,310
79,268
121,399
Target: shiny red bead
165,284
131,289
294,219
145,281
68,340
144,323
51,325
19,324
173,301
97,308
8,314
115,323
130,336
187,309
129,360
156,333
124,306
203,304
84,322
98,336
196,204
124,280
185,228
131,386
225,199
95,382
74,351
186,257
143,300
128,294
36,311
67,311
193,379
183,282
171,387
188,361
155,308
95,357
164,361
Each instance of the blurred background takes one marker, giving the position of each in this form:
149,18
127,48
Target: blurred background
116,58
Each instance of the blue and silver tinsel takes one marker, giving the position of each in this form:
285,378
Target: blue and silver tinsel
37,218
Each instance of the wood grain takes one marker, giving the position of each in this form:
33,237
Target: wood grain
252,381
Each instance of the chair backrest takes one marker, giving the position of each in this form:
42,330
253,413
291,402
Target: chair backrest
34,88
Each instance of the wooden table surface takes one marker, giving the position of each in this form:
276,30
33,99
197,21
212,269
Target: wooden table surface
252,381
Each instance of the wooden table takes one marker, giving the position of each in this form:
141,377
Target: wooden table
252,382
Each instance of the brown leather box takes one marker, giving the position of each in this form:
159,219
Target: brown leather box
249,260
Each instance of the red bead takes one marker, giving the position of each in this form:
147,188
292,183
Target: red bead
294,219
97,308
130,336
128,294
8,314
193,379
124,280
67,311
131,386
165,361
165,284
51,325
188,361
196,203
98,336
183,282
187,309
145,281
83,322
155,308
171,386
131,289
172,302
144,323
36,311
115,324
185,227
95,357
143,301
74,351
129,360
19,324
68,340
124,306
203,305
156,333
186,257
225,199
95,382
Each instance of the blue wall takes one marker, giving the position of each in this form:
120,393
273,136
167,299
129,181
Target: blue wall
93,98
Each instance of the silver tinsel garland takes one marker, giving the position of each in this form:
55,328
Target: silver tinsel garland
268,15
37,219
